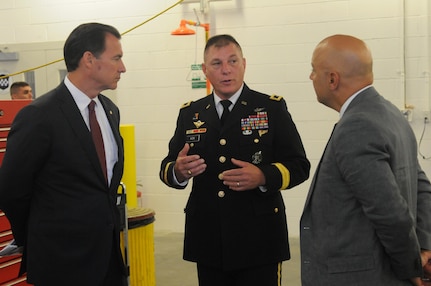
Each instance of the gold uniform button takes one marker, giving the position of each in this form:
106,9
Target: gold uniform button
276,210
222,159
221,194
220,176
222,142
192,144
256,140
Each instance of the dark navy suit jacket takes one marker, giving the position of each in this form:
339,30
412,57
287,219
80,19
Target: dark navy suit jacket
53,191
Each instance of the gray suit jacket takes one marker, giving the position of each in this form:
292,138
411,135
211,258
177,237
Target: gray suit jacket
367,213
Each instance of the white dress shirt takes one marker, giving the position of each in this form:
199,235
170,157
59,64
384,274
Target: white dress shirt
82,101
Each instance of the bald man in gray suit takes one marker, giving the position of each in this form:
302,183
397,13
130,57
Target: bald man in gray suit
367,217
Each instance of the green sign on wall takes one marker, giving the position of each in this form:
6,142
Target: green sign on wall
198,77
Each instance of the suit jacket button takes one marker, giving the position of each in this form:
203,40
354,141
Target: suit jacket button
222,159
220,176
221,194
222,142
276,210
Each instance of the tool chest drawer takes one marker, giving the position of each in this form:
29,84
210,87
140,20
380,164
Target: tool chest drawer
9,265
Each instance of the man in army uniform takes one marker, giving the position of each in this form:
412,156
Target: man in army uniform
240,156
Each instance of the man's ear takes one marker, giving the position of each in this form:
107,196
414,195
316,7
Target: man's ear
87,58
334,79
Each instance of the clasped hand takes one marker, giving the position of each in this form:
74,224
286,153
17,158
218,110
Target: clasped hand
247,176
426,264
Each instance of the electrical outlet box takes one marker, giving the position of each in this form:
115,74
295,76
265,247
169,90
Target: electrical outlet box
408,114
5,57
427,115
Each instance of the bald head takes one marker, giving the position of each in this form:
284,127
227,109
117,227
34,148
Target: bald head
342,65
348,55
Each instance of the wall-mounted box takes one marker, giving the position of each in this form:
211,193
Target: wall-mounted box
6,57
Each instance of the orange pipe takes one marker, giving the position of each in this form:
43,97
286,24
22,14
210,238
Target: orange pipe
206,26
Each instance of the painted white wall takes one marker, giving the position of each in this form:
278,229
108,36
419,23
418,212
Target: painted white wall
277,37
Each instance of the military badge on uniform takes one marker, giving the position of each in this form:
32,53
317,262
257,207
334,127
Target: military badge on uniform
187,104
257,158
276,97
198,123
193,138
196,131
258,121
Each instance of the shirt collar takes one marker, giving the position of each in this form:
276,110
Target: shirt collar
81,99
233,98
350,99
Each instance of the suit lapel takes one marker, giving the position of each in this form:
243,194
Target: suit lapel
207,114
114,124
316,174
77,123
366,96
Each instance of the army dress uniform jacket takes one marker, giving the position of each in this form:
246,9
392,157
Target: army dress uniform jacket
224,228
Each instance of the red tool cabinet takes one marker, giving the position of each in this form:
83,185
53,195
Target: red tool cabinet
9,266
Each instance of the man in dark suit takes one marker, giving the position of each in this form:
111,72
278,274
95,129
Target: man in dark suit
53,188
367,218
235,217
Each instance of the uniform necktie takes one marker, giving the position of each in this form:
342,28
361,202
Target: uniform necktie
226,103
96,133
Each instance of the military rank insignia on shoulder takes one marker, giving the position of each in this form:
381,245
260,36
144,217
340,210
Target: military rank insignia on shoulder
187,104
276,97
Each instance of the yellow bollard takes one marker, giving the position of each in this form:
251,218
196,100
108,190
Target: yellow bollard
127,131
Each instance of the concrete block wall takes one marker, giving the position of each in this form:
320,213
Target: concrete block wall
277,36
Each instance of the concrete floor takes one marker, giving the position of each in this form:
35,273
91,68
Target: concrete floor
172,270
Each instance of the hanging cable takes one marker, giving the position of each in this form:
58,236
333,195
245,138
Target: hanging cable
420,141
59,60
